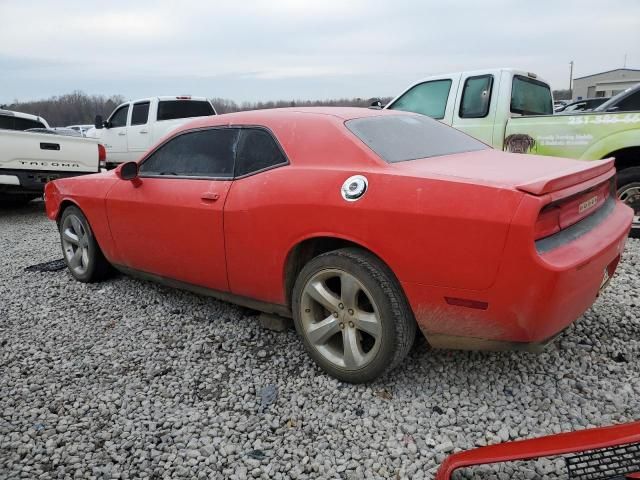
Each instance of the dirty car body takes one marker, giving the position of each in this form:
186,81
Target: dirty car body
489,249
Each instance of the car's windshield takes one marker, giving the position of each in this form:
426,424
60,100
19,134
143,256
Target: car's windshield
397,138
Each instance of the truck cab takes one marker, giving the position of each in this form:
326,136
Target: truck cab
478,102
133,127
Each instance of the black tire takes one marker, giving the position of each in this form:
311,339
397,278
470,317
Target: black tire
398,325
97,267
629,179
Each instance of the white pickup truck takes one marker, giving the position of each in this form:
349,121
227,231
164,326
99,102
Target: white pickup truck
29,159
135,126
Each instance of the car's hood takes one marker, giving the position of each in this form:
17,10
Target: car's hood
533,174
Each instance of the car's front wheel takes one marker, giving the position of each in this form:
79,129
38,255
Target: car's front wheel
81,251
352,315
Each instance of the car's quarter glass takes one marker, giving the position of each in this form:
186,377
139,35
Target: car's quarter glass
428,98
398,138
175,211
257,150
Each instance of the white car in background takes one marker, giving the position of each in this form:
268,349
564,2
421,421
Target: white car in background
135,126
82,129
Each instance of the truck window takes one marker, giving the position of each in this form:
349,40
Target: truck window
476,97
140,113
17,123
398,138
530,97
119,117
428,98
172,109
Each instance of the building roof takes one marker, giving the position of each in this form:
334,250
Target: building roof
609,71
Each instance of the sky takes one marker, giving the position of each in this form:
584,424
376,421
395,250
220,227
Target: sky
249,50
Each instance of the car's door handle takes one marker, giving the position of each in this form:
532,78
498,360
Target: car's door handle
144,131
210,196
122,134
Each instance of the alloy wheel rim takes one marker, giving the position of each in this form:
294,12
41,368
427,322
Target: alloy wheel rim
631,196
75,244
340,319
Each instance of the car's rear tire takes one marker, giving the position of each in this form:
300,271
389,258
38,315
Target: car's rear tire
352,315
629,193
80,248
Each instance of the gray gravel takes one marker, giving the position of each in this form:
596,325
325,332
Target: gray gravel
127,379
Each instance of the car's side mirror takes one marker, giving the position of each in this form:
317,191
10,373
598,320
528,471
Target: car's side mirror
376,104
98,123
613,109
128,171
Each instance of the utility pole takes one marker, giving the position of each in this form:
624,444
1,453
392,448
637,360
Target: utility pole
625,61
571,80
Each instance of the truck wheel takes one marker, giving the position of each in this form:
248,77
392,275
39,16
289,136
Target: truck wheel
352,315
629,193
81,251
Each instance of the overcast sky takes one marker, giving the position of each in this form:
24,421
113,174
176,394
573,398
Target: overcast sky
288,49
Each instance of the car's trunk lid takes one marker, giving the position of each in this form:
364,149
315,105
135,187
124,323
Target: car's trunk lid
533,174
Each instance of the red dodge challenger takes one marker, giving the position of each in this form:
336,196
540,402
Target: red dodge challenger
363,225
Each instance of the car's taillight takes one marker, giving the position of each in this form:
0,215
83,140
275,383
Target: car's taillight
564,213
102,156
548,222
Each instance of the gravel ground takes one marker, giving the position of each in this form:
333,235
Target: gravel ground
127,379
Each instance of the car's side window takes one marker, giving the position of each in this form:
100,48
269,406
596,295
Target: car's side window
630,104
257,150
119,117
428,98
202,153
140,114
476,97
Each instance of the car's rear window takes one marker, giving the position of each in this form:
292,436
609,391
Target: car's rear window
397,138
172,109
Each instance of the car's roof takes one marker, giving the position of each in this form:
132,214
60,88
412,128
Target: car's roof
264,116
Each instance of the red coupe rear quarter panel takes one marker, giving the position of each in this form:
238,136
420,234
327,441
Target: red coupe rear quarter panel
429,231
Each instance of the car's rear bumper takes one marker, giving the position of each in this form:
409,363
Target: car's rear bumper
536,294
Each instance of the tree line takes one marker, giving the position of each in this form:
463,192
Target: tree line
79,108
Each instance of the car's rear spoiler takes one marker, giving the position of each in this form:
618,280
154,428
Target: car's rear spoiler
554,445
547,185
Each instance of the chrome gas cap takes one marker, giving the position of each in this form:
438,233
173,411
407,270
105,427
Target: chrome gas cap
354,188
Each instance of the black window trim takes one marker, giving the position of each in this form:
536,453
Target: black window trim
450,80
133,105
535,82
233,177
464,86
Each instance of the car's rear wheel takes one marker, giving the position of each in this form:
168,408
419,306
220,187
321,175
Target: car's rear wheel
81,251
352,315
629,193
